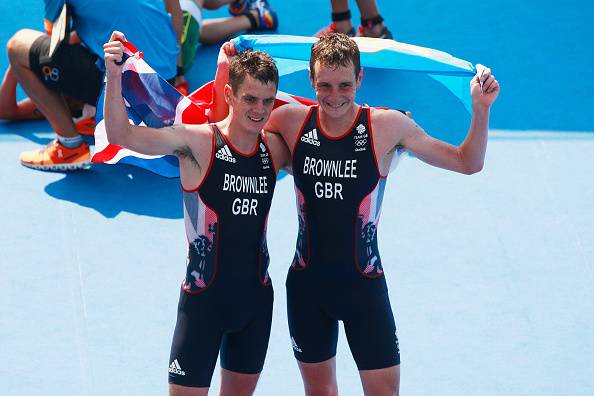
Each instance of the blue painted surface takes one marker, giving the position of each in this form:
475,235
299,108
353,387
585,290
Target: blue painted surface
491,276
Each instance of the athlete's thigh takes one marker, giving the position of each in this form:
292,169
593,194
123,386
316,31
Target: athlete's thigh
244,351
371,331
196,343
20,45
314,333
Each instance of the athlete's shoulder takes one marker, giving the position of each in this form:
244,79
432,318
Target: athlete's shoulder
200,139
199,131
273,140
293,110
286,119
384,117
278,149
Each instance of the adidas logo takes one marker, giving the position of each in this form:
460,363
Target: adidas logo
262,147
311,137
175,368
295,347
225,154
361,129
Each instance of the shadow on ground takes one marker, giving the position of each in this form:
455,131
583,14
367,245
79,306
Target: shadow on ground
111,190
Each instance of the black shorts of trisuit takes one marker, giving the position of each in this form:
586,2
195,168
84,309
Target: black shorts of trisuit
71,70
205,325
313,314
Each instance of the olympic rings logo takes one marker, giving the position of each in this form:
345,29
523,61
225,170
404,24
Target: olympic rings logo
361,142
51,73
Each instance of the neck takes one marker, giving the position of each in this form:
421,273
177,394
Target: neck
338,125
242,139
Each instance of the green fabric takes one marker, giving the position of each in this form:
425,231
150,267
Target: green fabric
190,40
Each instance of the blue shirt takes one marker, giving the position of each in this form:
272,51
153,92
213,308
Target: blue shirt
145,23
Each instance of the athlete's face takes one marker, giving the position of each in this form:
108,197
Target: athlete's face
335,88
252,103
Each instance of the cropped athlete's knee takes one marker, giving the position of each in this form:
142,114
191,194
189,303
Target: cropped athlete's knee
321,390
20,44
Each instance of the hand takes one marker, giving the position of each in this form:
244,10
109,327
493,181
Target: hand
490,87
229,49
226,53
114,52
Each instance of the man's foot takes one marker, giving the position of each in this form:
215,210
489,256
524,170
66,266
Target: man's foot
239,7
85,123
266,18
382,32
56,157
332,29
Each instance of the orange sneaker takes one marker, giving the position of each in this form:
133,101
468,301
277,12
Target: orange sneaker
85,124
55,157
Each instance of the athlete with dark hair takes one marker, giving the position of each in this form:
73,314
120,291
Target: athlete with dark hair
341,155
228,173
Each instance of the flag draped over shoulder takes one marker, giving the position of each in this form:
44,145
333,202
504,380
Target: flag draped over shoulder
432,84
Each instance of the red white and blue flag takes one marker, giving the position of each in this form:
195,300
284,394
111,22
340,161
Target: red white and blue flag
398,75
152,101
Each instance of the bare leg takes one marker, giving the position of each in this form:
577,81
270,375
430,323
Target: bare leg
237,384
218,29
9,108
382,382
319,379
178,390
215,4
51,104
341,6
367,8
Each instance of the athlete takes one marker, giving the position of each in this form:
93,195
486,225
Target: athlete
51,67
341,156
228,173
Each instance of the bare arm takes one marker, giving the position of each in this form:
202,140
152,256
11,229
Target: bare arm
220,108
469,157
119,131
281,156
177,19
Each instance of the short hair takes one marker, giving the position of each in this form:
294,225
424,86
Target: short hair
257,64
334,50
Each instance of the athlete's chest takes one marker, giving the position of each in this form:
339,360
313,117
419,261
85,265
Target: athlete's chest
240,185
335,168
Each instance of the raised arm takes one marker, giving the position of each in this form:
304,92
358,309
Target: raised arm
144,140
469,157
220,108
